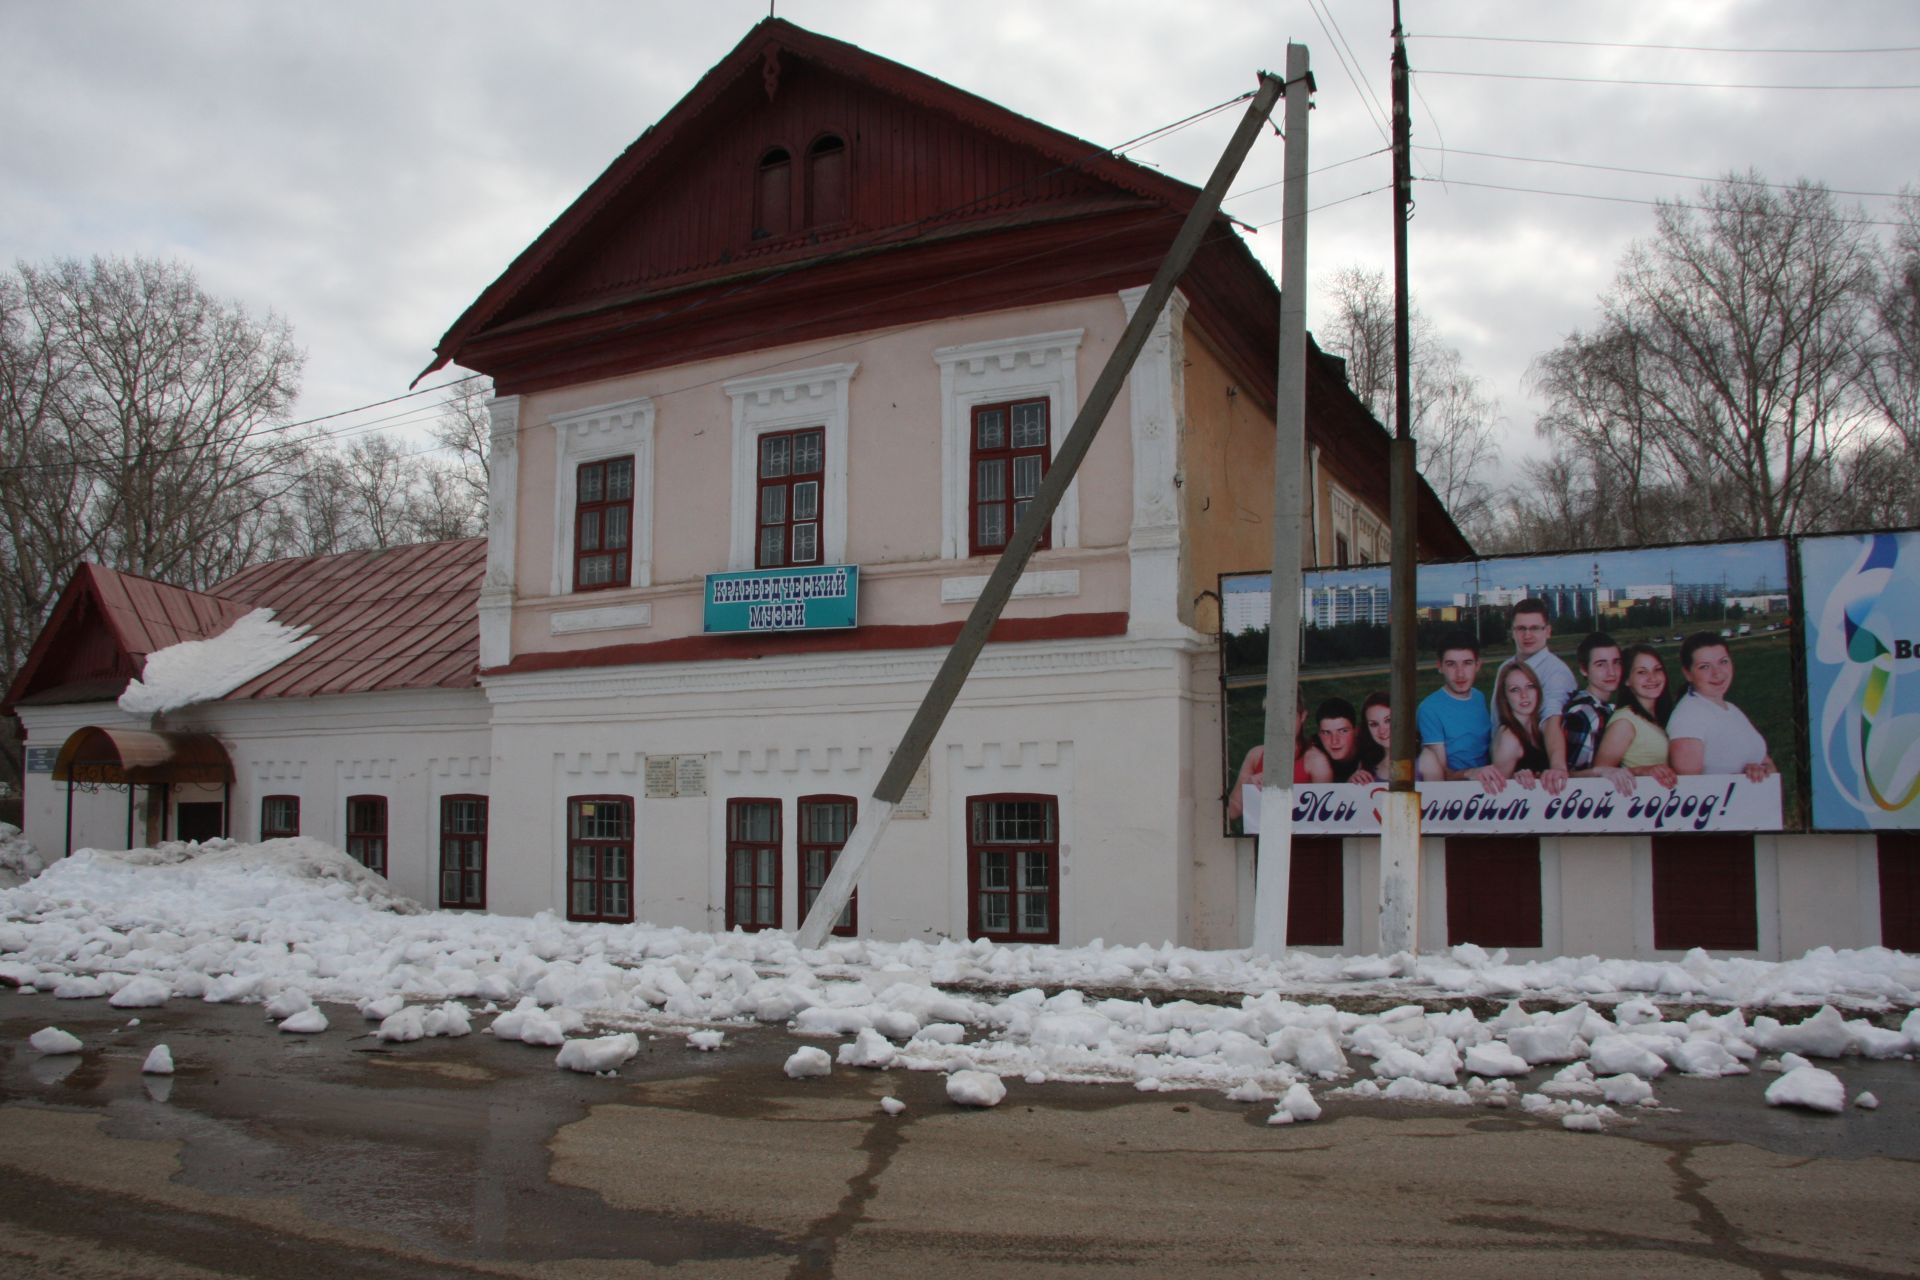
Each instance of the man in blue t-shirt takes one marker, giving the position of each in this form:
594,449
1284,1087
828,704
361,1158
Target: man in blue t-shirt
1455,725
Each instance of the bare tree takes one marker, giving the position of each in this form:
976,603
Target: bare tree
1895,382
1452,419
1724,392
138,428
463,429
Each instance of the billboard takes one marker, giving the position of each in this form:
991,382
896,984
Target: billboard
1650,690
813,598
1862,640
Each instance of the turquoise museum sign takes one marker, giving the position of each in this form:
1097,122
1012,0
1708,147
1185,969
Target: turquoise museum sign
813,598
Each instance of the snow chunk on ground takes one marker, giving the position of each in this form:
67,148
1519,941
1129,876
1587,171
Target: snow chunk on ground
420,1022
1625,1090
1866,1102
308,1022
51,1040
976,1088
1617,1054
289,1002
1580,1122
809,1062
868,1049
1496,1059
19,860
705,1041
594,1056
202,670
144,992
1814,1088
892,1106
159,1062
1297,1104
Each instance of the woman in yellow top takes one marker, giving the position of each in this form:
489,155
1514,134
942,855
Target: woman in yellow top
1635,738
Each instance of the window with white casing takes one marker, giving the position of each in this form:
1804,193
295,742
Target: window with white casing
808,406
1009,371
589,447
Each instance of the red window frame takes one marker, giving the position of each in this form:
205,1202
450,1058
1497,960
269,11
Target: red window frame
753,864
822,832
463,852
1000,899
996,474
782,534
367,831
288,824
603,524
600,859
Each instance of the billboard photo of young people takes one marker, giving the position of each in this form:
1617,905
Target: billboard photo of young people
1646,690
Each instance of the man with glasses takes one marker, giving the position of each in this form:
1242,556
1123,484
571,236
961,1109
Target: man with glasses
1531,631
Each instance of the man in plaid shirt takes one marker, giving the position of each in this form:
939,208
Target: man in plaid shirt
1585,717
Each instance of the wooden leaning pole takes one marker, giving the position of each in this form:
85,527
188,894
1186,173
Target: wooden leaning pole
948,681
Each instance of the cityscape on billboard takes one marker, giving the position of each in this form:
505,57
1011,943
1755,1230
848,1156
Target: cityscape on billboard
1645,690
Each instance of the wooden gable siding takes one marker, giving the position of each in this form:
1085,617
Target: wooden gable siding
909,168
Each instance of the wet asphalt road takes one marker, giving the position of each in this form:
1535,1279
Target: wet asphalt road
335,1155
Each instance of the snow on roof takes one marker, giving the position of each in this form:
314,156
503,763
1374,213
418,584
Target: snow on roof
203,670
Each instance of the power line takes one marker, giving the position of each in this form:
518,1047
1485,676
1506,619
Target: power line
1337,164
1671,84
1341,58
1366,85
1675,48
1648,173
1671,204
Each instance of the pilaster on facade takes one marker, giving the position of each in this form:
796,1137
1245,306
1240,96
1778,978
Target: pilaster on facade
1157,402
503,492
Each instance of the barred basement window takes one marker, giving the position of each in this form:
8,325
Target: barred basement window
600,858
463,851
367,831
825,824
1013,868
279,817
1009,458
753,864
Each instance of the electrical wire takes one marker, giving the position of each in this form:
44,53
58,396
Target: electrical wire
1671,204
1648,173
1341,58
1674,84
1674,48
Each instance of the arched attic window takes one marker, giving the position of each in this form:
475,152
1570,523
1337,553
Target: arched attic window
773,194
827,181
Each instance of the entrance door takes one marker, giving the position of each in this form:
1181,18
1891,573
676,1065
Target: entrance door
198,821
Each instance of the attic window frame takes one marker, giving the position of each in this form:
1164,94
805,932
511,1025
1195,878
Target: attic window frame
810,216
780,156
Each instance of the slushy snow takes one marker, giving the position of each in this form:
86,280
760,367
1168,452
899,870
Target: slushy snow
291,925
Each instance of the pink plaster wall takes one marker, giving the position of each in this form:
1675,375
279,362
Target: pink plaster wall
894,480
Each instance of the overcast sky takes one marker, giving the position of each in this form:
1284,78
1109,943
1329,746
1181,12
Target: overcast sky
365,169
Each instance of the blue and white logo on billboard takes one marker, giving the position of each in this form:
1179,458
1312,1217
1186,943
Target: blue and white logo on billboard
1863,678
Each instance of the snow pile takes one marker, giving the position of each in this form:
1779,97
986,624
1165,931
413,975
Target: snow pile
52,1040
1808,1087
288,923
202,670
308,1022
19,860
706,1041
603,1054
159,1062
976,1089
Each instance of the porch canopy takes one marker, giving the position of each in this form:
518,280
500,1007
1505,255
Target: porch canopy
141,757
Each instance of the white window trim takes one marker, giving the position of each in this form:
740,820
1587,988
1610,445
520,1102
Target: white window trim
590,435
782,402
1043,364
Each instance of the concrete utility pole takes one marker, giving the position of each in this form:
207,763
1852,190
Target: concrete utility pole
1273,871
947,682
1400,815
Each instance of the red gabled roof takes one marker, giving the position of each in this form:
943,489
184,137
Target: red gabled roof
402,618
1073,170
103,627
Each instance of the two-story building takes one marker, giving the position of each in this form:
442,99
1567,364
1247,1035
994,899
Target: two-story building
831,315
